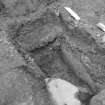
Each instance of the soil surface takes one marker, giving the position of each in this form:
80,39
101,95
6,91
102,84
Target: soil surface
39,39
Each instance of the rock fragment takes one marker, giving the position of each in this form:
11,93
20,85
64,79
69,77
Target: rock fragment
63,92
98,99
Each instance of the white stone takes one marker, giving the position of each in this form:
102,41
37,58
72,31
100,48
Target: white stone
62,92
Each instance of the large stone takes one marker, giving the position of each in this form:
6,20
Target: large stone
98,99
62,92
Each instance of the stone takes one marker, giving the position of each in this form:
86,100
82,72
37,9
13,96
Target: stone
98,99
62,92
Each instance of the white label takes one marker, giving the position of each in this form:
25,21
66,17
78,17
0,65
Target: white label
73,14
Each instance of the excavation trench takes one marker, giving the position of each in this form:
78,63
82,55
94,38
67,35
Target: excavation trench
42,39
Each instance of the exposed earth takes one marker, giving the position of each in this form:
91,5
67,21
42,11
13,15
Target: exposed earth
39,39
